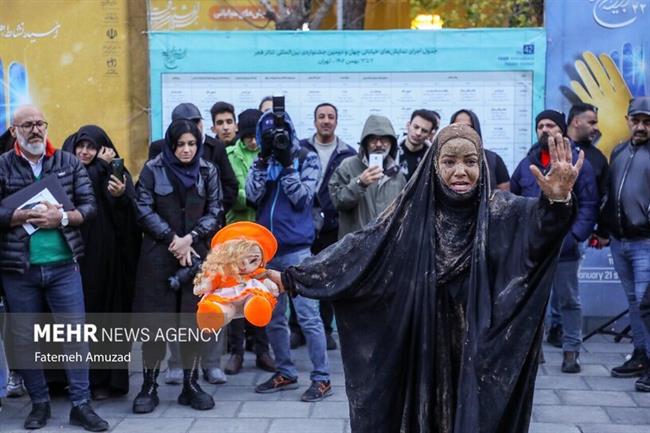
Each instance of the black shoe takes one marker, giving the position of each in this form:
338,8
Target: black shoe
147,399
318,390
570,363
265,362
84,415
633,367
234,364
540,358
38,417
643,384
331,342
192,395
555,335
296,340
276,383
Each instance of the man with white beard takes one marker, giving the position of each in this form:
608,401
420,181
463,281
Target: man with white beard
40,269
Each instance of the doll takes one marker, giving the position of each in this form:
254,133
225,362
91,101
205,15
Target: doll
232,280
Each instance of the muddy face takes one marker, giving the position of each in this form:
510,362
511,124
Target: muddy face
458,164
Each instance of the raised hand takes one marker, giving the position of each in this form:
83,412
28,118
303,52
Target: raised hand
603,86
559,181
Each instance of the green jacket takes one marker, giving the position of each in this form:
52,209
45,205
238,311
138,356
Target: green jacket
241,160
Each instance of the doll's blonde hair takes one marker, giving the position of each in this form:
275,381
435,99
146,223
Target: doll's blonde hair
224,259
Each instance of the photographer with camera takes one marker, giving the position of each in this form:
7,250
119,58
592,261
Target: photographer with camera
282,183
179,208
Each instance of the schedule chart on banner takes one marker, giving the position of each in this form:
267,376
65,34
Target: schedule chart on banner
503,100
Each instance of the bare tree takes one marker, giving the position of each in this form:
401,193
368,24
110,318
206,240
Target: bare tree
292,14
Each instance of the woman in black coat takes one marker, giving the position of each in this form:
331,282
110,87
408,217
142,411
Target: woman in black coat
179,208
112,245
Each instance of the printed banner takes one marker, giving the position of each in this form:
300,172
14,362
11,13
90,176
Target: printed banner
597,53
497,73
81,63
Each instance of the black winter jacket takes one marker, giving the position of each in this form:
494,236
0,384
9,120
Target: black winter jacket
627,211
161,213
16,174
215,152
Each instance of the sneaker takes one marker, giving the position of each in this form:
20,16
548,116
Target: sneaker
318,390
633,367
84,416
331,342
643,384
555,335
570,363
174,376
214,376
276,383
15,387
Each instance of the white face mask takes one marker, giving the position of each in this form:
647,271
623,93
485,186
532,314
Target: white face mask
36,149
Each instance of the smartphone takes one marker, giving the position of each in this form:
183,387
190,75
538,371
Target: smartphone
376,160
117,168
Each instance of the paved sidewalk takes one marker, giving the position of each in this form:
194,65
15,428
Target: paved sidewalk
589,402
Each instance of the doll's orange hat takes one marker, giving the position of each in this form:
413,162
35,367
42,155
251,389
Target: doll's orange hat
251,231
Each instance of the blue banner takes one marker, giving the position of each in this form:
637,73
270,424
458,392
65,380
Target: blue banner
597,51
499,73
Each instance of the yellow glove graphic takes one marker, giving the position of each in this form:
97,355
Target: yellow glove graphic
603,87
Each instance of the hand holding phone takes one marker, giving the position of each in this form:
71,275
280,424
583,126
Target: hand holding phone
376,160
117,168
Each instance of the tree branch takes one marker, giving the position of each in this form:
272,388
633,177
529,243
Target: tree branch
320,14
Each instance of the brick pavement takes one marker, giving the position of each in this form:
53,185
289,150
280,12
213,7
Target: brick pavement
589,402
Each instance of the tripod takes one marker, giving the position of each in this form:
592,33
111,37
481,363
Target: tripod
602,329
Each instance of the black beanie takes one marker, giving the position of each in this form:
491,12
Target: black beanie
553,115
247,122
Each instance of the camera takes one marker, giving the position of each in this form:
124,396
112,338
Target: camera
278,137
184,275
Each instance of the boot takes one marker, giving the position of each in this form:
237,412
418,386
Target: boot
147,399
192,394
570,363
635,366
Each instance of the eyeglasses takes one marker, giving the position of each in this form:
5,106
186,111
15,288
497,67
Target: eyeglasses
28,126
375,140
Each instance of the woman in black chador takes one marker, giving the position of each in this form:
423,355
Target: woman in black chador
440,302
112,244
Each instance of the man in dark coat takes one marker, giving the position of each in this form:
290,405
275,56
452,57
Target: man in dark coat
40,267
625,221
457,281
565,283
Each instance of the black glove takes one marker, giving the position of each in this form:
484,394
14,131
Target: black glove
283,156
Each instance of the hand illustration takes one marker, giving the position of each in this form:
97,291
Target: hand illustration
632,64
603,86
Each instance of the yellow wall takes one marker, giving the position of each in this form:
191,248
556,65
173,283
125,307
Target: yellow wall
86,62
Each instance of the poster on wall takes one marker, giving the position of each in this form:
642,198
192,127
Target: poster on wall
77,71
497,73
598,54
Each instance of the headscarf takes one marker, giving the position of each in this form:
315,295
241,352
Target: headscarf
455,215
95,135
476,124
187,174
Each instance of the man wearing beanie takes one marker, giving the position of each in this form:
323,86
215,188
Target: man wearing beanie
565,283
241,156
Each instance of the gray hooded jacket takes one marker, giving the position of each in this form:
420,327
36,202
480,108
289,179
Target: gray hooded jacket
358,205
